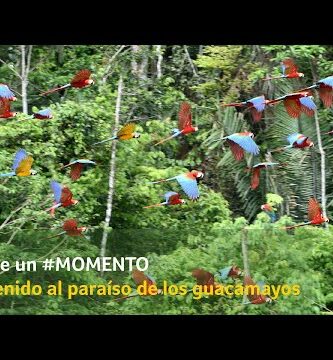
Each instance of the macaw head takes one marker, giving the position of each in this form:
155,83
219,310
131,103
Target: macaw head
83,229
33,172
182,201
198,174
14,98
268,300
14,113
90,82
326,219
196,128
136,135
300,74
75,202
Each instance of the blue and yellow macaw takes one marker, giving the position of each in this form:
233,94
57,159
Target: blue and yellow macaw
21,165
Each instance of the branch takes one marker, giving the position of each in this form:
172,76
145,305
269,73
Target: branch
107,70
190,61
13,70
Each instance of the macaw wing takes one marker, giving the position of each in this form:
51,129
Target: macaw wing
70,225
19,156
258,103
328,81
326,95
81,76
237,151
25,165
66,195
139,277
289,67
189,186
224,273
245,142
253,290
296,137
307,105
203,277
255,178
184,115
4,106
5,92
45,112
57,190
127,130
314,209
76,170
293,107
171,195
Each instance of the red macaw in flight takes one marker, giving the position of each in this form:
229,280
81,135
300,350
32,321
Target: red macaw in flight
5,111
185,125
255,105
171,198
239,142
62,196
205,278
80,80
253,292
296,103
296,141
71,228
44,114
6,93
77,166
255,178
289,71
268,209
325,90
188,182
230,271
315,215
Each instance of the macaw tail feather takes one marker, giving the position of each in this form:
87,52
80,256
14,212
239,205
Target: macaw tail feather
26,119
101,142
8,174
155,205
55,206
233,104
168,138
55,90
298,225
274,77
281,149
53,236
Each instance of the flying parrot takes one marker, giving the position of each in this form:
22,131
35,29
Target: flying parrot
77,166
185,125
289,70
71,228
255,178
62,196
296,141
253,292
171,198
5,111
296,103
188,183
329,133
21,165
239,142
268,209
256,106
140,278
230,271
325,90
40,115
80,80
6,93
315,215
204,278
127,132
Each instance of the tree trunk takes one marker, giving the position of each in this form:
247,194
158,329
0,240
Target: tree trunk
25,69
322,166
190,61
245,257
134,63
159,61
112,173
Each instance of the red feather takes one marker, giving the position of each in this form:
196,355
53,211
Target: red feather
314,209
255,179
291,67
237,151
256,115
184,116
326,95
76,171
80,78
293,107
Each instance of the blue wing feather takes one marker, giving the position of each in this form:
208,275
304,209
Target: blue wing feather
294,137
168,194
5,92
283,69
258,103
189,186
327,81
308,103
19,156
57,190
45,112
223,273
245,142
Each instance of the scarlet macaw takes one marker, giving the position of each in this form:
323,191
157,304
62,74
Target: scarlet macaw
21,165
204,278
77,166
325,90
185,125
289,70
268,209
188,182
62,196
256,105
5,112
296,141
80,80
6,93
71,228
230,271
127,132
253,292
239,142
315,215
296,103
255,178
40,115
171,198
